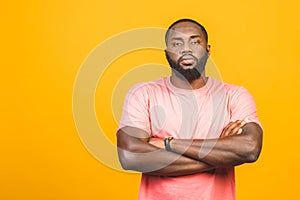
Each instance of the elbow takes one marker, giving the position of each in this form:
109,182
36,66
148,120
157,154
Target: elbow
125,165
131,151
253,151
124,162
126,159
253,142
130,158
126,150
252,157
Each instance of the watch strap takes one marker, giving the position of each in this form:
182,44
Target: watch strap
167,143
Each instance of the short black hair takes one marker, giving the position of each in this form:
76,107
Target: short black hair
186,20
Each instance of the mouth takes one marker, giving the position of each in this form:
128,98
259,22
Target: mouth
187,61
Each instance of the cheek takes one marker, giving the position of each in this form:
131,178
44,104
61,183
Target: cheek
173,55
200,52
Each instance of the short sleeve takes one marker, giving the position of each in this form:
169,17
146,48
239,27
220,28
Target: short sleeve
135,109
243,106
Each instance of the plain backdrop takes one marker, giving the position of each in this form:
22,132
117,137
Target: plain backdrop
254,43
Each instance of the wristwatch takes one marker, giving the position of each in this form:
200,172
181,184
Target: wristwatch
167,143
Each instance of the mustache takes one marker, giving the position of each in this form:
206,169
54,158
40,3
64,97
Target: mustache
184,55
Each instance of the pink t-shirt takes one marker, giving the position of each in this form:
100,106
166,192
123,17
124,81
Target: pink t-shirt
162,110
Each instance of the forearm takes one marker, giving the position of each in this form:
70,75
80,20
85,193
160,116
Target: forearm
222,152
161,162
217,152
138,155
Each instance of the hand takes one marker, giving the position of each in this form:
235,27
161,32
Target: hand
233,128
158,142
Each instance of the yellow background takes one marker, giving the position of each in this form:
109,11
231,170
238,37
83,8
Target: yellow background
43,43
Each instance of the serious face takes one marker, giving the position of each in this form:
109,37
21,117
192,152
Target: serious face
187,50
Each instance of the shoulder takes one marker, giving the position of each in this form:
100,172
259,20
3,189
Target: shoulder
232,92
149,87
235,90
229,89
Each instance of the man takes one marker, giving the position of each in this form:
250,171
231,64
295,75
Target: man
186,132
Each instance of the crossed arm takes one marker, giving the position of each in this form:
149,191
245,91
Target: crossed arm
239,143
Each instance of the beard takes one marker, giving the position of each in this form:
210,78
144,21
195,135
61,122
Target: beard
188,74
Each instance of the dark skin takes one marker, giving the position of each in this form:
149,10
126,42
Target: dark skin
133,151
239,143
187,38
232,150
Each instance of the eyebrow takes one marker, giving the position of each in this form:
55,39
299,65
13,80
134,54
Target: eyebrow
180,38
195,36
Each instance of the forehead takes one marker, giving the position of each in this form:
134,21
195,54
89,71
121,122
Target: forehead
185,30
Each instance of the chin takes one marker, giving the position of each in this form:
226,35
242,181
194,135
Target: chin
189,73
187,67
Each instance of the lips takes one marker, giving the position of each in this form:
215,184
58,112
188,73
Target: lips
187,60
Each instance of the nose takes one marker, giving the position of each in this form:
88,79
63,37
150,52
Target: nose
186,49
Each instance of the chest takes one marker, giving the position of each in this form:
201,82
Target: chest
188,116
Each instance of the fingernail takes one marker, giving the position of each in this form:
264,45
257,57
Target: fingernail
243,122
240,131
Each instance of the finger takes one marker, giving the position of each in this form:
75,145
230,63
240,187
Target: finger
225,130
228,126
235,125
236,130
240,131
243,123
239,128
233,128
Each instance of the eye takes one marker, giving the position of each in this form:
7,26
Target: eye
176,44
195,42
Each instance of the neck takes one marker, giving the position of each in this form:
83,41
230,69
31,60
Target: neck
188,85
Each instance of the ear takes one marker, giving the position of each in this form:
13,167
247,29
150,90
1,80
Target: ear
208,49
166,52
